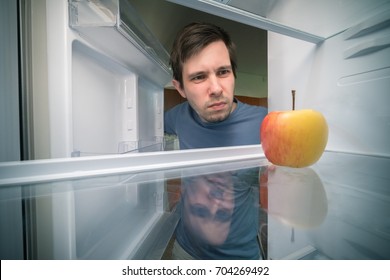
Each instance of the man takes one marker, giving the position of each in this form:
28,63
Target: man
203,61
219,214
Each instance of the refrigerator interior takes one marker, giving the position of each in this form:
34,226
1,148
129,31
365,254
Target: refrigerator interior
105,81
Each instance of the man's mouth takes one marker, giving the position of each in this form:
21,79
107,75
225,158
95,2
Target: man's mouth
217,105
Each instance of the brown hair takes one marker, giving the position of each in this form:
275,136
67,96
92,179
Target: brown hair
192,39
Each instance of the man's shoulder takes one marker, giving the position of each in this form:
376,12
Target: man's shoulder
178,108
246,108
177,114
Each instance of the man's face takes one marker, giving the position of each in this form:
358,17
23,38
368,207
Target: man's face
208,208
208,83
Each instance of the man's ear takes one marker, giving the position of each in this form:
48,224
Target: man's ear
178,87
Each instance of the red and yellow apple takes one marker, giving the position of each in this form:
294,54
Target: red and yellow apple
295,138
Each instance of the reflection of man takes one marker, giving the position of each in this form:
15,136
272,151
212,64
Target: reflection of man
219,217
209,207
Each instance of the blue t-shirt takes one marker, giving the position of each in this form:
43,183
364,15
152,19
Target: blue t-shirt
242,127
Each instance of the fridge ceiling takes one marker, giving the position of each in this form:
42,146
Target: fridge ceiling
312,21
321,18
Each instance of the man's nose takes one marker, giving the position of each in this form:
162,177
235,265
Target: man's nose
214,86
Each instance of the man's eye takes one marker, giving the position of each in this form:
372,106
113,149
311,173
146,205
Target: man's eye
223,72
198,78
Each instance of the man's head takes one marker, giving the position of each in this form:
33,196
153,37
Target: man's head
192,39
203,61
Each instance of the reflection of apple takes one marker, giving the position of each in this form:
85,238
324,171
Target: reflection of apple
296,196
295,138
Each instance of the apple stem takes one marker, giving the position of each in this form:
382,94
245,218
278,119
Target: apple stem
293,99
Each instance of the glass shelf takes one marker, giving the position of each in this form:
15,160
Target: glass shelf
135,206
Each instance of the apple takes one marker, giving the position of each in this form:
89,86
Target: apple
295,138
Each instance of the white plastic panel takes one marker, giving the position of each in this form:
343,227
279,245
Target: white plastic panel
115,27
93,13
104,103
150,116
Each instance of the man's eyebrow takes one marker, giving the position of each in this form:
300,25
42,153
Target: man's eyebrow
225,67
191,75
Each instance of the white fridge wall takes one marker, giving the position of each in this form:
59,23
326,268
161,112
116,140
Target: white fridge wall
104,103
113,109
352,93
97,82
150,116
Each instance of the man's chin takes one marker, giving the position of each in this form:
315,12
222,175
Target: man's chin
217,118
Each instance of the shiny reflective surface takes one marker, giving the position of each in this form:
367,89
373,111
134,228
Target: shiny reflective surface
345,216
338,208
